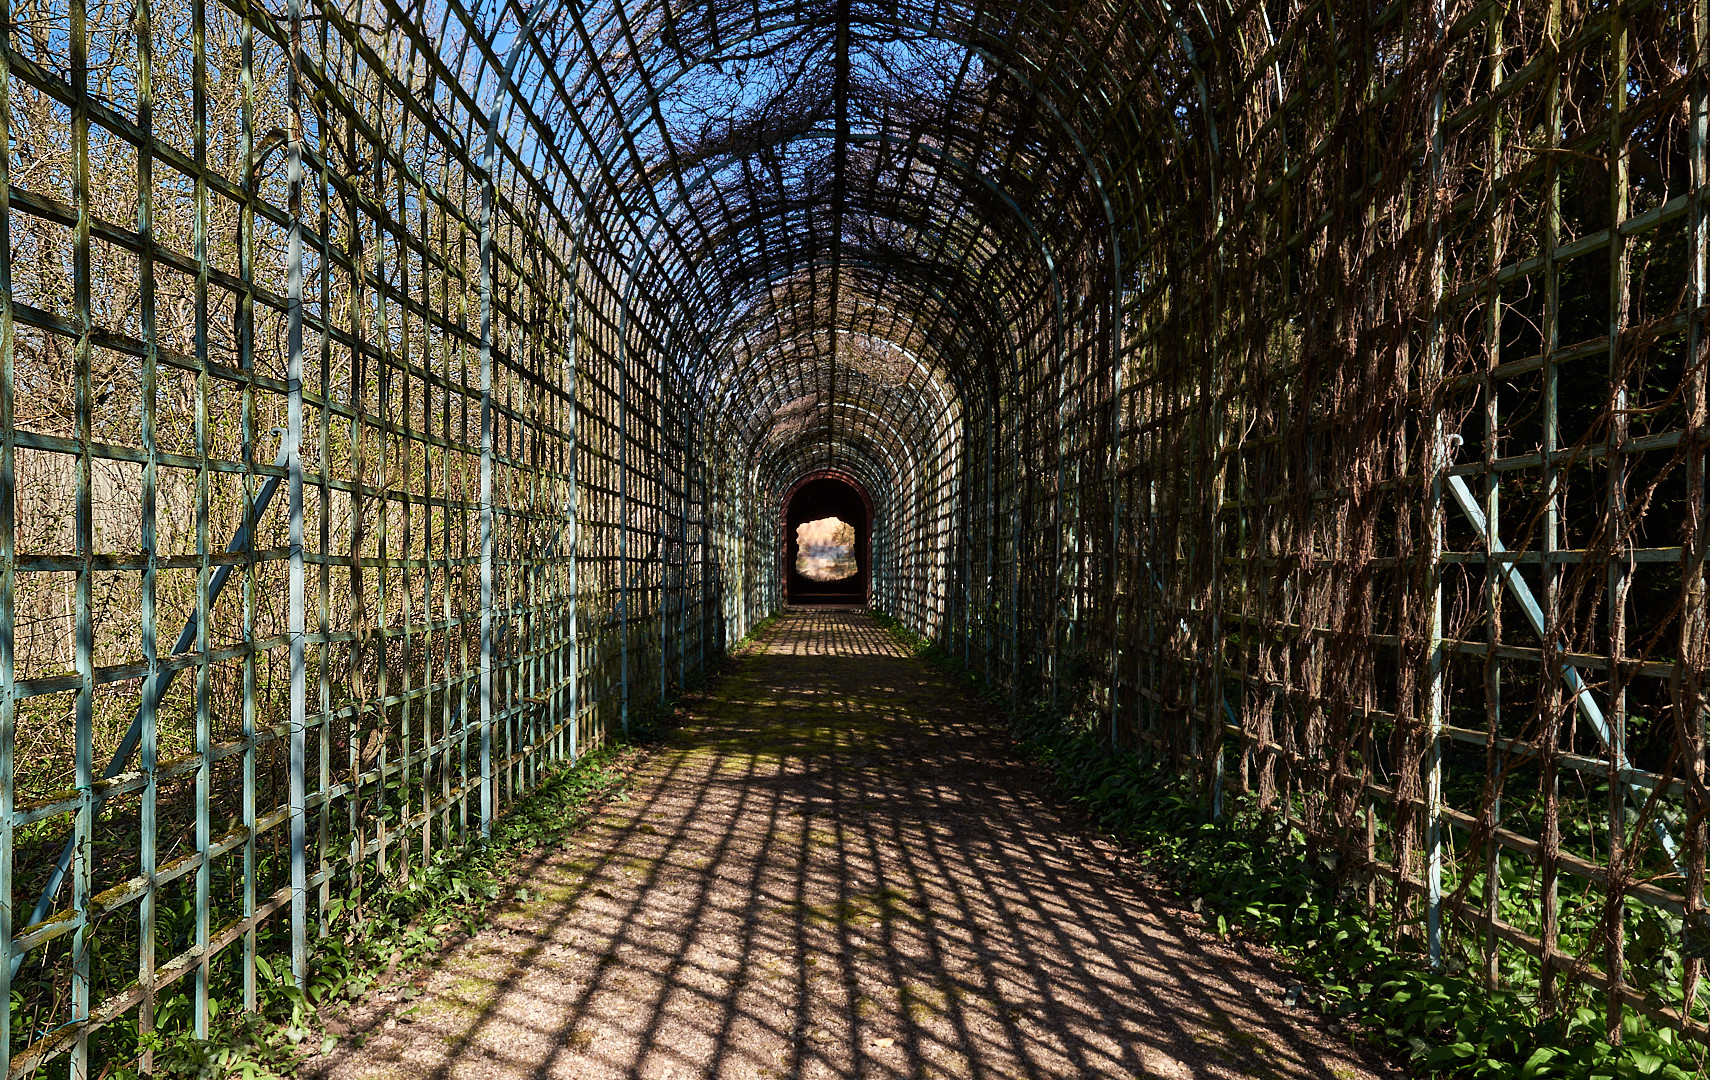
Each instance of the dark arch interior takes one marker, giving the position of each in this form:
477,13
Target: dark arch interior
827,496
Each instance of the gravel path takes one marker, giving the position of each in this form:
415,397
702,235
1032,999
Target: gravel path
835,869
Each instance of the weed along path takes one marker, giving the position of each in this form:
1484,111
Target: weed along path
835,868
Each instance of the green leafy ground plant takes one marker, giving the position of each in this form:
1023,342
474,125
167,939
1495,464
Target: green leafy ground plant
372,939
1251,874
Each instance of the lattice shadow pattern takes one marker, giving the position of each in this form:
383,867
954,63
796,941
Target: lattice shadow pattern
396,400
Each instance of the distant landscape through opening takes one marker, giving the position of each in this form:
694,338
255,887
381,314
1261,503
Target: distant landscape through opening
825,549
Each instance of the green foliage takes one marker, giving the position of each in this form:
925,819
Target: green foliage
918,645
758,630
369,937
1250,873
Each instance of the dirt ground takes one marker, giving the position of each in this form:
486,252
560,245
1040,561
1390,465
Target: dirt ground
836,868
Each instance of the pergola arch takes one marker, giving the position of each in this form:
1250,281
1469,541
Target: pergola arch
1305,396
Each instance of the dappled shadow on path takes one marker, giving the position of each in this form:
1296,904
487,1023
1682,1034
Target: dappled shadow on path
835,868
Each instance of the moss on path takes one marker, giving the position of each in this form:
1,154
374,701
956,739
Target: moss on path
835,868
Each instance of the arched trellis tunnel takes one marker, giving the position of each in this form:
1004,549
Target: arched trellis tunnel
397,399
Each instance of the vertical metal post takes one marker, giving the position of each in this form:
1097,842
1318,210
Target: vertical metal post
1550,833
353,798
246,363
1153,651
573,527
1436,461
708,608
1693,629
686,444
965,503
623,515
82,942
397,789
664,605
204,547
1016,488
988,604
417,523
324,264
488,795
1113,622
484,243
146,709
1489,390
1616,525
458,488
1216,708
296,621
8,551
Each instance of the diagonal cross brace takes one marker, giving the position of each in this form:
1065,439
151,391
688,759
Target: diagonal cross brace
156,689
1588,706
186,638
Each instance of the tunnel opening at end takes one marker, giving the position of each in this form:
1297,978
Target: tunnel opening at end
825,550
827,532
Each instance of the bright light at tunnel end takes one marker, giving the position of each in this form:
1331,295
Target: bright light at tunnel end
825,550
